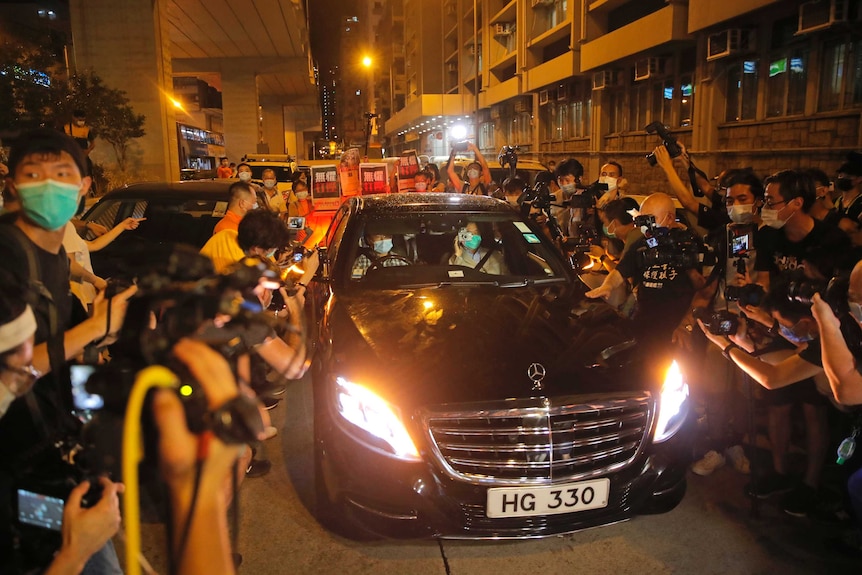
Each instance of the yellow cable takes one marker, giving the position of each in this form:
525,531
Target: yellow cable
133,452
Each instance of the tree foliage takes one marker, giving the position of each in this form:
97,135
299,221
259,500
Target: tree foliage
35,92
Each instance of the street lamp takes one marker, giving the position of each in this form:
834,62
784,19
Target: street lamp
367,61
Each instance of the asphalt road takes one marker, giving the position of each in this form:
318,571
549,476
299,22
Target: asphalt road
710,532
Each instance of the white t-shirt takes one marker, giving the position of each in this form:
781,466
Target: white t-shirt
77,248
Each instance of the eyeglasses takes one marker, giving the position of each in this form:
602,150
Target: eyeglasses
768,203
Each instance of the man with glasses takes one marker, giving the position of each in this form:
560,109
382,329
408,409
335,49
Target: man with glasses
784,243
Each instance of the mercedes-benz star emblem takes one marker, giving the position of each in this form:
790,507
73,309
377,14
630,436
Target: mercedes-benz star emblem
536,373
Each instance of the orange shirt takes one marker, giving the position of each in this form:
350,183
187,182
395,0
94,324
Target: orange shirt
224,172
230,221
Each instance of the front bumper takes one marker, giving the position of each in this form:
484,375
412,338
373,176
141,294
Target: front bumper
398,499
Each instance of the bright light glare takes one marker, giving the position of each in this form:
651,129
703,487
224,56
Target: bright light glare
458,132
364,409
674,393
366,61
177,104
428,304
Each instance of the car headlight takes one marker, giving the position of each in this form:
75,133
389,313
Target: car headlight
671,414
364,409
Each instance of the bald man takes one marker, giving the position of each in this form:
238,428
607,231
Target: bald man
666,291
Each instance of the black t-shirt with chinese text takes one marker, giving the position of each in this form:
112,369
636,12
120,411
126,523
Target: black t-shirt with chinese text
664,290
776,253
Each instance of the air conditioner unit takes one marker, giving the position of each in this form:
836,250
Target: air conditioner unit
541,3
503,29
604,79
563,93
495,113
521,105
728,42
821,14
544,98
647,68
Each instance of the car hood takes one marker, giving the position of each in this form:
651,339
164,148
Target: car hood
454,345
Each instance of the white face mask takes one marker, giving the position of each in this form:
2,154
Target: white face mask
741,213
610,181
770,218
254,206
80,123
421,186
269,184
245,176
301,195
856,311
472,174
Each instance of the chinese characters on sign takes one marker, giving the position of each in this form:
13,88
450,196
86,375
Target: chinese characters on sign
374,178
325,189
408,167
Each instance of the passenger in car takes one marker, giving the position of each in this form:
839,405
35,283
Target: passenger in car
470,253
377,249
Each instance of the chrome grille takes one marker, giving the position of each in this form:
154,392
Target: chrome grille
522,444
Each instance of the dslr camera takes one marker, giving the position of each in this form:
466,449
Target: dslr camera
459,147
747,295
667,139
721,322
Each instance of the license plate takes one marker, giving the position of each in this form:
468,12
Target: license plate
551,500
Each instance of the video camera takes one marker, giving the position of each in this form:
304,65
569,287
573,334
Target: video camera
674,247
670,143
509,157
184,298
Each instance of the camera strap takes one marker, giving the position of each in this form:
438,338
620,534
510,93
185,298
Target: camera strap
693,172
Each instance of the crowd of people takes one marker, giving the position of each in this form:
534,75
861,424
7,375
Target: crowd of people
55,313
778,307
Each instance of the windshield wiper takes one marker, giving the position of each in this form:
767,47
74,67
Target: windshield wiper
532,281
451,284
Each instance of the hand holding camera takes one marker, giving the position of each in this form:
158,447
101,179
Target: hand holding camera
86,530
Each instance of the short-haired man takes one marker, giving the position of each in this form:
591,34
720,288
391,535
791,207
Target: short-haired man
273,196
260,233
478,175
48,176
224,170
611,174
849,205
243,199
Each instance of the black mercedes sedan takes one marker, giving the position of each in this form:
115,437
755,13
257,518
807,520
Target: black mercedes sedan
464,387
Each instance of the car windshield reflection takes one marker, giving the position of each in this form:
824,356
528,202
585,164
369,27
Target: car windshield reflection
407,251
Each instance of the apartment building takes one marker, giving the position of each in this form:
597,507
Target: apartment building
763,83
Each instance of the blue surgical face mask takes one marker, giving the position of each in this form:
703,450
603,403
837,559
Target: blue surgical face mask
608,232
473,243
569,189
789,333
49,203
383,246
271,253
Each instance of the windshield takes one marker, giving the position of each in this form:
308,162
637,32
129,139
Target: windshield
444,248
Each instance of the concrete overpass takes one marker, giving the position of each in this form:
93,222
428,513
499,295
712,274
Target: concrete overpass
256,52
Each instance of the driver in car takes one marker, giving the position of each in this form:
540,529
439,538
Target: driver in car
470,253
376,250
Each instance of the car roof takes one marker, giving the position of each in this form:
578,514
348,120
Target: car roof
215,189
422,202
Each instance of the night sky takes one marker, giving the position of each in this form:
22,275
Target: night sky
325,17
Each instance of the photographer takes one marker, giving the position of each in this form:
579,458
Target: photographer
48,176
84,531
788,380
478,174
667,288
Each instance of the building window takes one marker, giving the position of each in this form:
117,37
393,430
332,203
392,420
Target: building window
616,111
486,136
686,102
785,87
742,91
662,102
522,129
561,122
841,76
638,106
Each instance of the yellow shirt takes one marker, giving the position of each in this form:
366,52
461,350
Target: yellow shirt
223,250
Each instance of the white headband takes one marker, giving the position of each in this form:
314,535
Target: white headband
18,330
